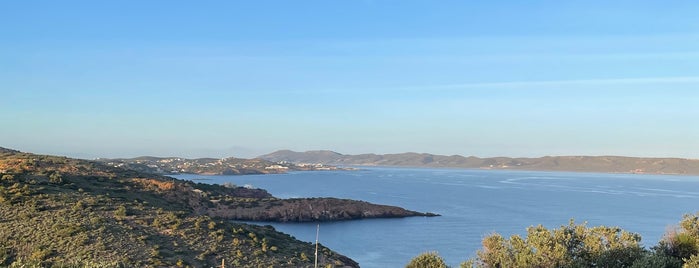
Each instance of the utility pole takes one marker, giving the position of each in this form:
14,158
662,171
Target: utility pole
317,233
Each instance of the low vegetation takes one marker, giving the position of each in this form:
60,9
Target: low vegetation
62,212
577,245
427,260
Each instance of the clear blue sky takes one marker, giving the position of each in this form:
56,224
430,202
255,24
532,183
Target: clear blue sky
243,78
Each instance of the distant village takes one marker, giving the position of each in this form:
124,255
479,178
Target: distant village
212,166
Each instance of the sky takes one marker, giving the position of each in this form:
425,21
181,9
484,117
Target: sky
243,78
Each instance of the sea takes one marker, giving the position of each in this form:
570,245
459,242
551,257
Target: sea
472,205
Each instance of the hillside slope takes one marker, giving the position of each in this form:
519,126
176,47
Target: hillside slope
611,164
70,212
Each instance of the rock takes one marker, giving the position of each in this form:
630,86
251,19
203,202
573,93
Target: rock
308,209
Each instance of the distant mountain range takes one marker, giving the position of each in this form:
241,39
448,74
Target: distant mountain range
607,164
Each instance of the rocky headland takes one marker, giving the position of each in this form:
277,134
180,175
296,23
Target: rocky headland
59,211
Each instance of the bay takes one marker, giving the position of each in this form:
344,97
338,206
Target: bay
473,204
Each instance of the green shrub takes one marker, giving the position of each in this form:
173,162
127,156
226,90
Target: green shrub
120,212
682,242
427,260
56,178
8,177
692,262
573,245
657,260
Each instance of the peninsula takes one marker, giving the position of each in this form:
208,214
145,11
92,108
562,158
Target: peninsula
59,211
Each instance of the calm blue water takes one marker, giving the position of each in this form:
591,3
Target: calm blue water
474,203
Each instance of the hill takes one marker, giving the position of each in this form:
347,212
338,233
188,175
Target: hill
303,157
610,164
7,151
58,211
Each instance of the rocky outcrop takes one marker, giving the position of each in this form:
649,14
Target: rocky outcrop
4,150
239,203
307,209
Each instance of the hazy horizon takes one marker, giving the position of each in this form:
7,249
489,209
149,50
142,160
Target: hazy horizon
218,79
249,154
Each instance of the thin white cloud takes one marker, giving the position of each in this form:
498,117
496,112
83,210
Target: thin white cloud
607,81
506,85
